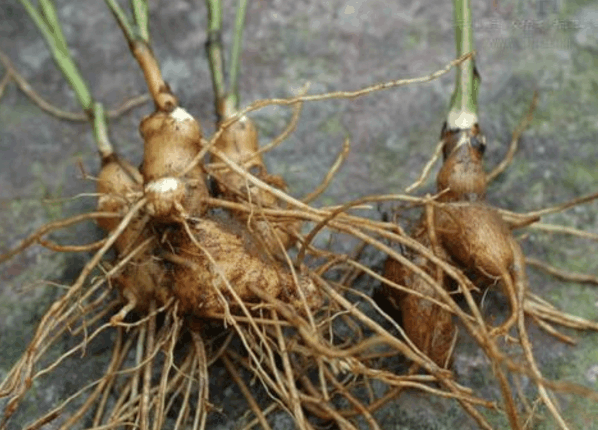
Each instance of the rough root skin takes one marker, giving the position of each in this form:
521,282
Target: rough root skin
171,141
222,252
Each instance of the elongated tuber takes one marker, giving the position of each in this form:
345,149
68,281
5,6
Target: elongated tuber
468,233
429,326
220,256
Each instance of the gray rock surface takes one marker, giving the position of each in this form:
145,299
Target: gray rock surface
548,46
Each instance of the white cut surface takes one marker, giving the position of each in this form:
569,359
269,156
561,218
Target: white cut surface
461,119
181,115
163,185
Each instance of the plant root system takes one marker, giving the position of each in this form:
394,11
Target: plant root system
185,281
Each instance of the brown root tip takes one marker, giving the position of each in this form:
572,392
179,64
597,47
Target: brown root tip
166,101
462,172
454,137
108,158
120,316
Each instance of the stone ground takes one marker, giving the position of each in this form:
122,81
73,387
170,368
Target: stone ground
545,45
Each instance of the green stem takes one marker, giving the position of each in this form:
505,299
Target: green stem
464,104
49,26
100,131
214,50
49,12
122,20
235,63
141,12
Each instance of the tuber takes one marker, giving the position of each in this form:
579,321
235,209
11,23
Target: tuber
141,279
429,326
220,252
171,142
239,142
471,232
118,184
466,232
462,176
